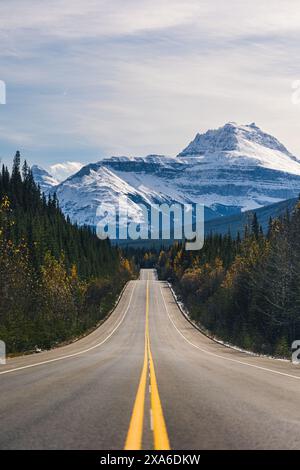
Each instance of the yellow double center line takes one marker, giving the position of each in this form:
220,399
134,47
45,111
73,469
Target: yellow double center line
135,431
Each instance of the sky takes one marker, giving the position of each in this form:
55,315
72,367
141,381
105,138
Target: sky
92,78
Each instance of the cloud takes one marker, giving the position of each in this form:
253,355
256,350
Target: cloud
96,18
61,171
100,77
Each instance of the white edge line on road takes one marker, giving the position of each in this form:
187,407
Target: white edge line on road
223,357
79,352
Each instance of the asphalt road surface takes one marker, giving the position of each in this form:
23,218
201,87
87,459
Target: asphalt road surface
148,379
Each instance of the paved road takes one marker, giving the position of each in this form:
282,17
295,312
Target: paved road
146,378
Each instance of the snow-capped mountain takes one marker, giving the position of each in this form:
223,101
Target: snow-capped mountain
43,178
242,145
229,170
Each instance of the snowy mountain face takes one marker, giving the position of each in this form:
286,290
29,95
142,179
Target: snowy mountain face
229,170
43,178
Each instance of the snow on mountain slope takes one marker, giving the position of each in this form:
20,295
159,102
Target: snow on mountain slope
80,195
63,170
242,145
43,178
240,166
229,170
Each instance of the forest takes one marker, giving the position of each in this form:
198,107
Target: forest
245,291
57,280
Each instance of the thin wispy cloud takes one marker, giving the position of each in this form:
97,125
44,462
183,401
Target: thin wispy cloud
92,78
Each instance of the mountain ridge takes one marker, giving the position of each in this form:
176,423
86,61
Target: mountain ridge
230,169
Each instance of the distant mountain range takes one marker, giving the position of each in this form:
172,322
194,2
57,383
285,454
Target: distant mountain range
230,170
236,223
232,224
43,179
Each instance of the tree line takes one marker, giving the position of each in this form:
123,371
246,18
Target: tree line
57,280
246,290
